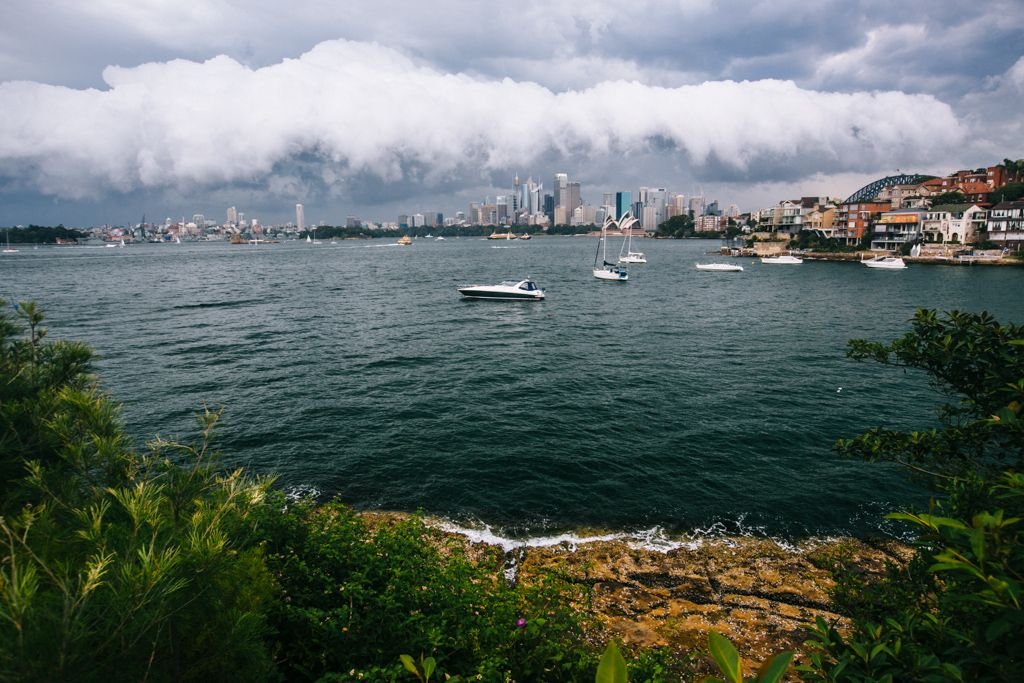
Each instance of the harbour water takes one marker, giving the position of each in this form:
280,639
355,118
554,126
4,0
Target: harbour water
681,400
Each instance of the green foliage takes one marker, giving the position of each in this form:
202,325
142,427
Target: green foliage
953,612
612,667
1007,193
952,197
115,565
729,663
39,234
352,597
677,226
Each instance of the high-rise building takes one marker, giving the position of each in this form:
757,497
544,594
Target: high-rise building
516,199
232,216
623,203
573,200
560,189
300,217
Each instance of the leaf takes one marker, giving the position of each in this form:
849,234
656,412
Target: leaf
726,656
775,668
428,668
410,664
612,667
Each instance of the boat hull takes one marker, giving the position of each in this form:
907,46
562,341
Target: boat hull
886,264
525,290
608,274
782,260
475,293
719,267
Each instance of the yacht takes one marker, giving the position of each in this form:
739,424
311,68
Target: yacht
509,290
782,259
719,267
886,262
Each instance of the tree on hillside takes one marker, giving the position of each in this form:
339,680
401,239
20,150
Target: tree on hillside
677,226
952,197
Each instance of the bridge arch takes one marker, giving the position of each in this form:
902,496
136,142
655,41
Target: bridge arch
871,190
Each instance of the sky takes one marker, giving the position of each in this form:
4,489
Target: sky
112,109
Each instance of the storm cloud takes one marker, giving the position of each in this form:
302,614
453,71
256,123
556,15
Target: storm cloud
371,103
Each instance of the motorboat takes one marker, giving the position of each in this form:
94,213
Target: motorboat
782,259
886,262
509,290
719,267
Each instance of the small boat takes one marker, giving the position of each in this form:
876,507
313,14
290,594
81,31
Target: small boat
439,238
405,240
626,224
607,271
509,290
526,236
502,236
886,262
9,249
719,267
782,259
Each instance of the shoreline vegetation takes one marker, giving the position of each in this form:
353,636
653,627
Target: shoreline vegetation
157,564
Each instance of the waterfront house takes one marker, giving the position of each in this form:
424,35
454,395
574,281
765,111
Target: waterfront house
896,228
1005,225
856,219
954,223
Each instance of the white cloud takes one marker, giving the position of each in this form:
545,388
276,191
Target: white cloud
360,108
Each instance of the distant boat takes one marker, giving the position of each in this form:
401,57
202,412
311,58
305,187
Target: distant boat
719,267
8,249
782,259
626,223
439,238
886,262
607,271
502,236
309,240
405,240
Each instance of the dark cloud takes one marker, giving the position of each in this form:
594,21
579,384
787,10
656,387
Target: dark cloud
688,93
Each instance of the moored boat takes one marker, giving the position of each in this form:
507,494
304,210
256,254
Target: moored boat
509,290
886,262
782,259
719,267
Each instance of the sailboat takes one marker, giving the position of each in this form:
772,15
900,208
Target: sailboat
309,240
626,223
607,271
8,249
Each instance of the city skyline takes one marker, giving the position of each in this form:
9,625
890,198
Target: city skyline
114,110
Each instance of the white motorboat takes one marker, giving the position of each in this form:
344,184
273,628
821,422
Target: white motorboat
886,262
782,259
509,290
719,267
607,271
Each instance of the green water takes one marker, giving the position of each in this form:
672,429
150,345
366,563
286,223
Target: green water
682,399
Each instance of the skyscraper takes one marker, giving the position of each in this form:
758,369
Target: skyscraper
300,217
232,216
623,203
573,200
560,189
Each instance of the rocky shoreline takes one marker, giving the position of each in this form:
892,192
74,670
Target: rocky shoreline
760,593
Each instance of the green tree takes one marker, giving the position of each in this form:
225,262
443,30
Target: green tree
954,612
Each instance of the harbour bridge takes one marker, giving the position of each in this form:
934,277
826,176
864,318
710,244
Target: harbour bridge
871,190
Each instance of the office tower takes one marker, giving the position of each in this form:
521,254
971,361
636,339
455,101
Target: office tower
300,218
572,198
516,203
623,203
560,189
549,208
501,206
232,216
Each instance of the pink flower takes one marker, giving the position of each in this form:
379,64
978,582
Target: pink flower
520,623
